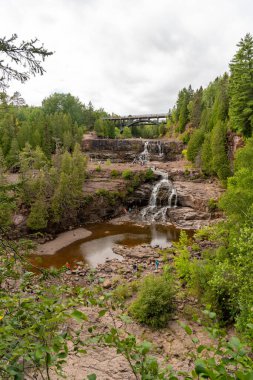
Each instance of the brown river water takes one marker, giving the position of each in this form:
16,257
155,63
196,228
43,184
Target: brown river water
98,247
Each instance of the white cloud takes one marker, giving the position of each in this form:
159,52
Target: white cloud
128,56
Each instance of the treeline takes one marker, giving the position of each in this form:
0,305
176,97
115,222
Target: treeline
59,122
108,129
52,190
204,117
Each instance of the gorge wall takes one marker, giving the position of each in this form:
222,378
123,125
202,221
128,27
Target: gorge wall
126,150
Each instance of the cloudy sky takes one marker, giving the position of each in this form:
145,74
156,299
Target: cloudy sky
127,56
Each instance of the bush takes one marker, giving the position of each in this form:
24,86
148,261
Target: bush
136,180
154,303
127,174
149,175
125,290
182,257
184,153
98,168
212,205
115,173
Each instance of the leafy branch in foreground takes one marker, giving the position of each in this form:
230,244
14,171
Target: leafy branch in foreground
34,329
27,54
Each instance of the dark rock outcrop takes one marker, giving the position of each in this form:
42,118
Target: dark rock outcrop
126,150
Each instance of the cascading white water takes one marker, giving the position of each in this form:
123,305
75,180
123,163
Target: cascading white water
153,212
144,156
160,148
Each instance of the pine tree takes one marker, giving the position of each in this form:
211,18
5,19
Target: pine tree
38,217
219,153
13,155
221,102
195,144
241,87
185,98
206,155
195,108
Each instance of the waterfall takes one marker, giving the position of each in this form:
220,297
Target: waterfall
160,148
154,211
143,157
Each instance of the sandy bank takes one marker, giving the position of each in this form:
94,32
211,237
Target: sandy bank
62,240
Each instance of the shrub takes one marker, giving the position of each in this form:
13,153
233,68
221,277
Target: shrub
182,258
184,153
98,168
125,290
127,174
212,205
149,175
154,303
136,181
115,173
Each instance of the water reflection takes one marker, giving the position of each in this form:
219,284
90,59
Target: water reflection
98,247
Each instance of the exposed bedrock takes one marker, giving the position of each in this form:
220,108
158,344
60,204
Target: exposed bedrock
126,150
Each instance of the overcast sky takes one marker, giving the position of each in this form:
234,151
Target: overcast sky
127,56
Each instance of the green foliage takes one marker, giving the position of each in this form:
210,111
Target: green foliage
55,191
154,303
220,163
182,108
206,155
125,291
150,131
195,108
7,206
126,134
182,257
238,200
240,87
105,128
38,217
115,173
127,174
194,145
212,205
149,174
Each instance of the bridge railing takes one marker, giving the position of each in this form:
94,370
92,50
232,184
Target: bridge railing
135,117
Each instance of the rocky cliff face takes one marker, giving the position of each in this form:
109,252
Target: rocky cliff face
126,150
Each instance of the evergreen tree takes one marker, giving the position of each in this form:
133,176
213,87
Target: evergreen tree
221,102
183,110
13,155
194,145
206,155
38,217
195,108
219,153
241,87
